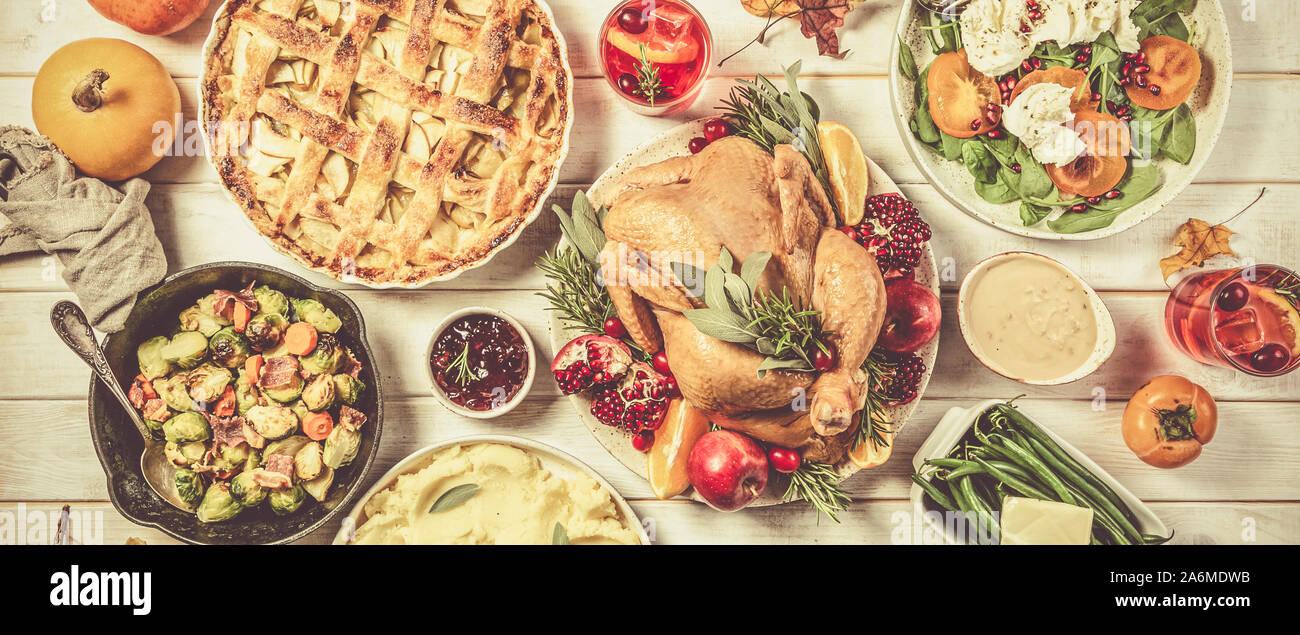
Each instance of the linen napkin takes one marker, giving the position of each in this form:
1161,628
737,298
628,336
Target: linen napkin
104,237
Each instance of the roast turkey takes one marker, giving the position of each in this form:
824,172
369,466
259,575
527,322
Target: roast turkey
735,195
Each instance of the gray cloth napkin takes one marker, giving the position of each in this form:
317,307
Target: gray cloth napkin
103,237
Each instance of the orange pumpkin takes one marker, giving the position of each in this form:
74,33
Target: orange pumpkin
107,104
1168,420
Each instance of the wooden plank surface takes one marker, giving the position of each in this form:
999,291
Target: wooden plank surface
1241,490
683,523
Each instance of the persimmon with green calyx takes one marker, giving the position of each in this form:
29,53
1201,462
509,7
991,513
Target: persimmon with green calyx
1175,70
963,101
1104,161
1168,421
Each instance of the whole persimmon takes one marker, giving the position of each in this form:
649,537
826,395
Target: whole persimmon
1168,421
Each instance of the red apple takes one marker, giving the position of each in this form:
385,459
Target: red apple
912,316
728,469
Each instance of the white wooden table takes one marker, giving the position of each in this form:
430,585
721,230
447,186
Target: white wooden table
1243,489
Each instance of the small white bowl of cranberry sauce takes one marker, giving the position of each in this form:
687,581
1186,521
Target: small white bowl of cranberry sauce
480,362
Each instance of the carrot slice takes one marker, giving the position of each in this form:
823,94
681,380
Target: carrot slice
226,404
300,338
253,366
317,425
242,315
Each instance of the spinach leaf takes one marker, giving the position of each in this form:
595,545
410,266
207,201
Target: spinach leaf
979,162
1135,188
951,146
922,124
1033,181
906,64
1000,190
1031,214
1179,141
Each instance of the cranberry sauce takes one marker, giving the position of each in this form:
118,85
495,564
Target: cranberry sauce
480,362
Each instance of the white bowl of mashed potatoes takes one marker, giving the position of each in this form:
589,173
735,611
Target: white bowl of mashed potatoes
491,489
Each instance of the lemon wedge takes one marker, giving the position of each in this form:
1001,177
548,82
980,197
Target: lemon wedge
846,165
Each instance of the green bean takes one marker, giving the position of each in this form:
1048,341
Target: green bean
946,463
1011,481
1103,520
1100,503
934,493
1028,461
983,515
1036,432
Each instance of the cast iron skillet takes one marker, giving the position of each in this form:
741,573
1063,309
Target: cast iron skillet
119,445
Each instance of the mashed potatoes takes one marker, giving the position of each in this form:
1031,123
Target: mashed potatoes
518,502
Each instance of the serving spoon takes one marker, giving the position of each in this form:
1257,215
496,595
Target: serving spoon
73,328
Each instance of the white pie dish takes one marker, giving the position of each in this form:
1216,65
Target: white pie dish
1209,104
213,41
1102,351
954,425
441,395
553,459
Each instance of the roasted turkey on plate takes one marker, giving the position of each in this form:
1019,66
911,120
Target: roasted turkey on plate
734,195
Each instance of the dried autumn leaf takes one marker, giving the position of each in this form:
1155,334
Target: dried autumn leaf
1199,241
770,8
820,18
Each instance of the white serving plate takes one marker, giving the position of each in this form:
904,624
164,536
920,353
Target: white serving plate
671,143
953,427
209,46
1209,104
556,461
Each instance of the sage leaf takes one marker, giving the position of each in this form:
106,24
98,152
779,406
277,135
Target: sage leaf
715,294
454,497
772,363
738,292
725,260
753,267
559,536
720,324
690,278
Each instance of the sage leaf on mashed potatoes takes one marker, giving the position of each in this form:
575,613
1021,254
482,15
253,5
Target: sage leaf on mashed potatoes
454,497
560,536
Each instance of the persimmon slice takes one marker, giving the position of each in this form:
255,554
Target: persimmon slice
960,96
1103,164
1175,70
1062,76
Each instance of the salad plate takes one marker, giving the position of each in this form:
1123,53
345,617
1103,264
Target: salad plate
673,143
1175,142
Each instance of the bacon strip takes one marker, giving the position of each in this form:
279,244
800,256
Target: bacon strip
156,410
280,464
350,418
226,430
225,301
271,480
278,372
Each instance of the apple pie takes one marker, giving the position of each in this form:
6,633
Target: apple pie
387,142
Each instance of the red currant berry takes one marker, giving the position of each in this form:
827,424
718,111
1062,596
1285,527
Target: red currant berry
698,144
660,362
784,460
824,360
716,129
614,328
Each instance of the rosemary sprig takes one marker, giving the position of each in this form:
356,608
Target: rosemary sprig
818,484
873,423
762,113
648,82
461,366
1288,287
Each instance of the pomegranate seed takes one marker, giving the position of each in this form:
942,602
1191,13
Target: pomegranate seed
1126,118
991,117
644,441
1142,69
1015,167
1093,200
1026,66
1032,4
1154,88
1124,81
1038,64
1123,111
849,231
1025,28
614,327
1140,80
1035,15
1081,58
1087,49
698,144
1110,105
1096,97
995,134
1078,208
1113,194
660,363
1011,82
975,125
